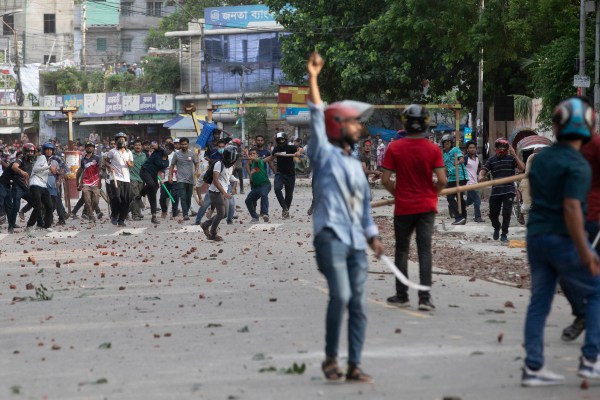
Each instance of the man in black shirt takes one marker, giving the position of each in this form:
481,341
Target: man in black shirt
285,173
19,171
501,165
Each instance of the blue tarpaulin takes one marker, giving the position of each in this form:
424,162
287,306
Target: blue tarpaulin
385,134
206,135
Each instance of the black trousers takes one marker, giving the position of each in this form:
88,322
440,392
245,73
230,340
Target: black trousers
119,199
42,203
150,188
288,182
452,202
502,202
404,226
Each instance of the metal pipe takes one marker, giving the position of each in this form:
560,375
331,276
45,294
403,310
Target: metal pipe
582,43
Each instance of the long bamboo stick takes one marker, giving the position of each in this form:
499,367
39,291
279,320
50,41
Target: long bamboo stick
454,190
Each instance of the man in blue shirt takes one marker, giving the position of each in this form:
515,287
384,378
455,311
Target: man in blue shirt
342,221
557,245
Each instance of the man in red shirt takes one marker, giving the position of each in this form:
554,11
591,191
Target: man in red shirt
414,159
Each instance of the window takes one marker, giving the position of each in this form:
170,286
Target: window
126,8
126,45
49,59
154,9
101,44
49,23
9,25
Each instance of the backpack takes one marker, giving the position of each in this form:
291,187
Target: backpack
208,175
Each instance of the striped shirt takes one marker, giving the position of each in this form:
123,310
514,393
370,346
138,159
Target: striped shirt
501,167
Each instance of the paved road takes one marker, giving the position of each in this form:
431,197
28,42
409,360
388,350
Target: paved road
190,319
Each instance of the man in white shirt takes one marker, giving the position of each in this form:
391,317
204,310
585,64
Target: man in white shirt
473,166
118,161
222,175
38,188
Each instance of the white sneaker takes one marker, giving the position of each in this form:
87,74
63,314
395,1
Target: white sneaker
589,369
541,377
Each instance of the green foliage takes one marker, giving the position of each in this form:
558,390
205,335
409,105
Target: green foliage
256,121
380,51
161,75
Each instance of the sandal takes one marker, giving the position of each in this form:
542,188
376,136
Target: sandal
331,370
356,375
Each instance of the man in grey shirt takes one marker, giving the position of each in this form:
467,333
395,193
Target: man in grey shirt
186,162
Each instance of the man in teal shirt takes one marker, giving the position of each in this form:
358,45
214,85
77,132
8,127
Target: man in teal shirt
557,245
453,159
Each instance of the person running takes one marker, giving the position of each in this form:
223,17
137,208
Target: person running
557,245
154,165
414,160
343,225
222,177
453,159
285,171
502,165
19,172
212,159
473,166
139,157
38,188
88,180
118,161
261,186
186,163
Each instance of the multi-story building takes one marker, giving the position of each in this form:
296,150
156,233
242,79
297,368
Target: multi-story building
240,61
115,30
44,30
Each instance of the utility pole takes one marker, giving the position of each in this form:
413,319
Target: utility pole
205,66
19,86
479,117
581,90
83,29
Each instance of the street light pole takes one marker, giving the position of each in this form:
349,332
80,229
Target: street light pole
479,117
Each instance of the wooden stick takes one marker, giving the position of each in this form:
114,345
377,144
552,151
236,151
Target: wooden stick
454,190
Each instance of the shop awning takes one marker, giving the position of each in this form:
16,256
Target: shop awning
125,122
9,130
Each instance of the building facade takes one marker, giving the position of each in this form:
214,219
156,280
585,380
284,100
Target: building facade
44,30
115,30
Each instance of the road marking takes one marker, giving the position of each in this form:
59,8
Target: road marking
378,302
61,235
263,227
127,231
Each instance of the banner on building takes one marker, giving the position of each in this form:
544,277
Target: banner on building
238,17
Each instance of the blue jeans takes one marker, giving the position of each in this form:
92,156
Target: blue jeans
551,257
259,192
202,209
17,193
5,201
571,293
230,206
474,198
346,271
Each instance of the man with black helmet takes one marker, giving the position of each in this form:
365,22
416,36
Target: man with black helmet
557,245
154,165
118,161
414,160
502,165
38,188
285,174
19,172
343,226
222,176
